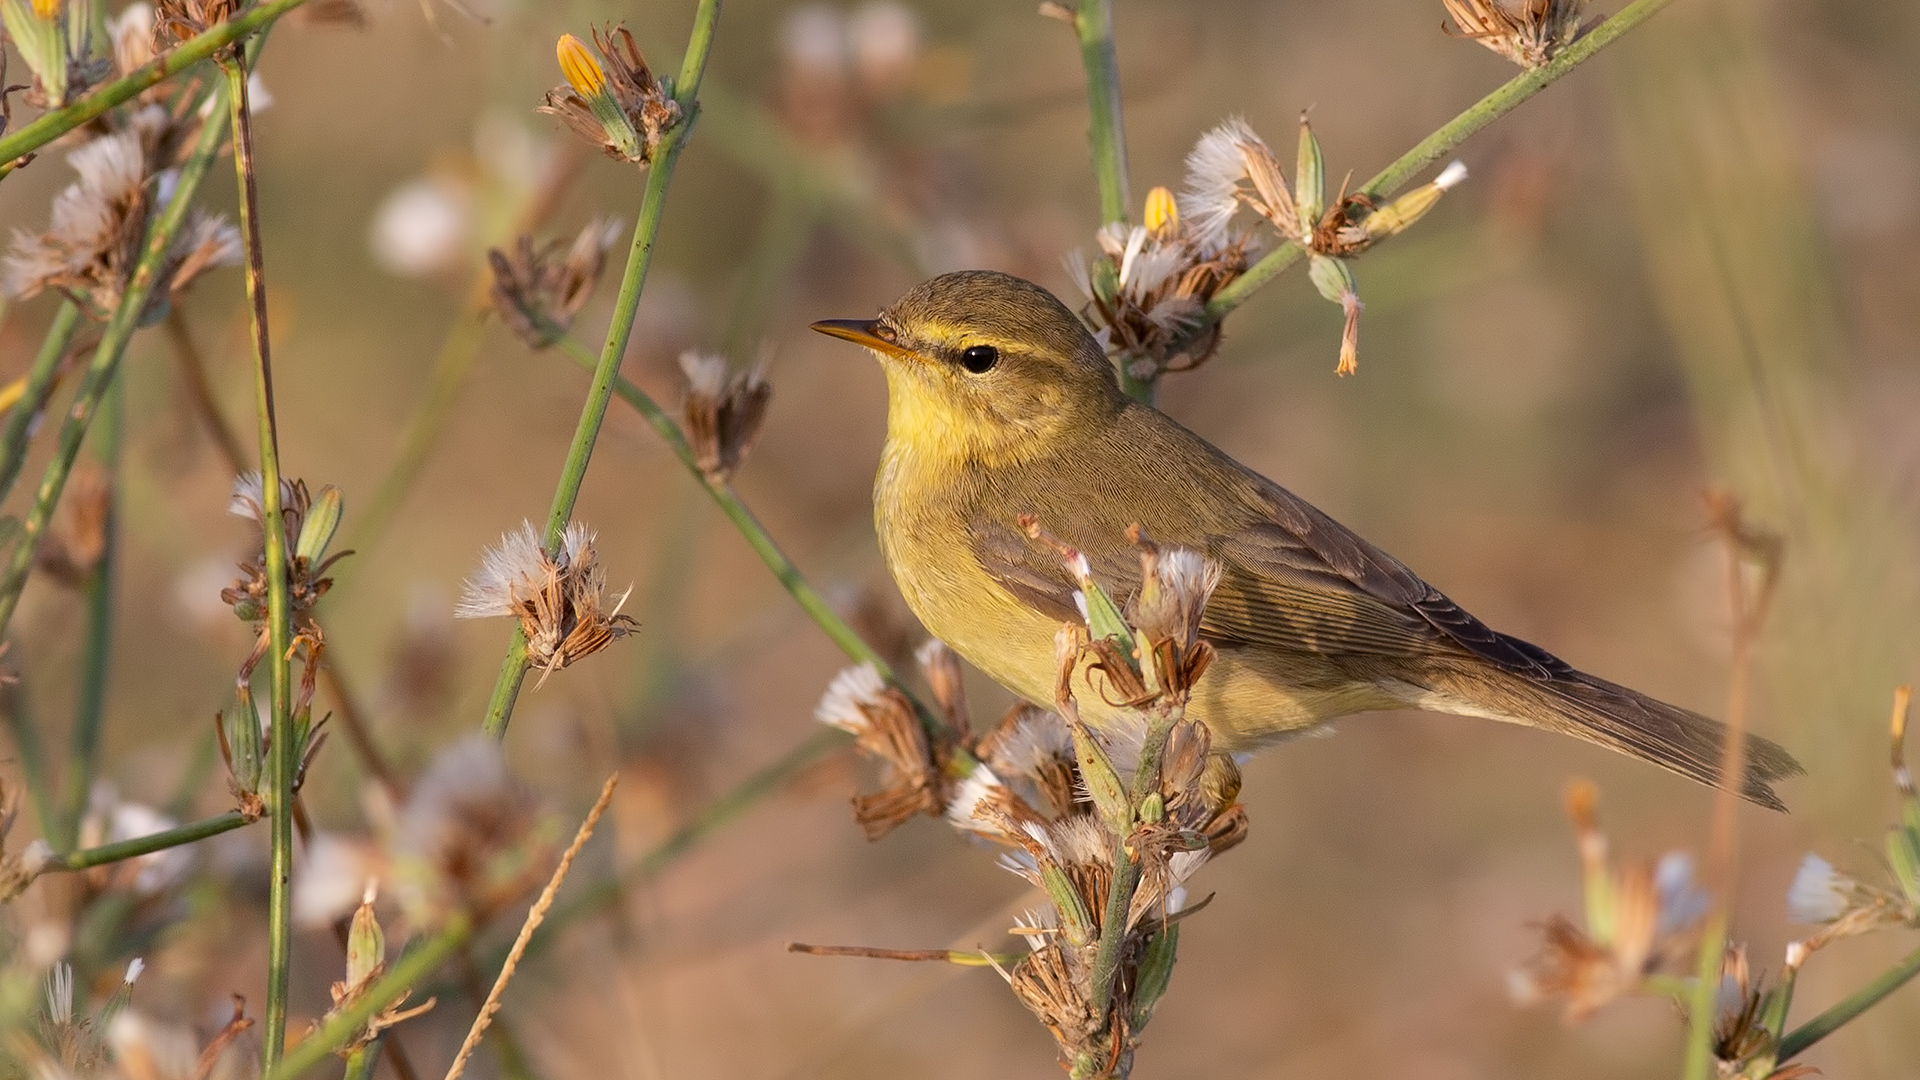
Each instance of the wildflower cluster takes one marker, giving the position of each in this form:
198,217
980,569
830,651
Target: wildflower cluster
1231,167
612,100
1109,822
1640,921
1527,32
559,598
1148,289
538,291
1638,934
308,526
99,223
722,412
1844,906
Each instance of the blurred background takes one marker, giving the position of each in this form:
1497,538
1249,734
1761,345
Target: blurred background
1686,267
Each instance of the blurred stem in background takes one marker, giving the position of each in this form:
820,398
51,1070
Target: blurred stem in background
96,656
686,91
452,364
1747,295
54,123
285,746
35,391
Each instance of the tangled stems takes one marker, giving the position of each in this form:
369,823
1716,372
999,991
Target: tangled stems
274,541
51,125
1443,141
105,365
686,90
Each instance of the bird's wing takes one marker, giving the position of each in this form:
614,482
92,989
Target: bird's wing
1292,579
1391,607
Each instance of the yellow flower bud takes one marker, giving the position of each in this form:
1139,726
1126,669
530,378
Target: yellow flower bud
46,9
579,66
1162,215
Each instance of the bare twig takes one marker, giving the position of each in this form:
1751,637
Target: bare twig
535,915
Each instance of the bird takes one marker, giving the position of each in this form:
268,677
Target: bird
1003,408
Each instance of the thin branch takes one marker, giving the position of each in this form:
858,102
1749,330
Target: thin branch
412,967
1106,133
513,669
279,613
1799,1039
962,957
193,372
83,749
1446,139
535,915
120,850
35,391
51,125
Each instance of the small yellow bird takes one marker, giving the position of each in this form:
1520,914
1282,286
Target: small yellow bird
1001,404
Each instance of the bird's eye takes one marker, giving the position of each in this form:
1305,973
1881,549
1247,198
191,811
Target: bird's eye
979,359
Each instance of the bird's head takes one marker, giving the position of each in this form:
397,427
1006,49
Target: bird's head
984,367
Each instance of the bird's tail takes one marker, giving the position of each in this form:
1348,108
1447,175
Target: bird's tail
1615,717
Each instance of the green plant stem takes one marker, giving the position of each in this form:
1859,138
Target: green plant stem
96,667
1799,1039
40,382
1443,141
33,757
1106,134
285,754
513,669
789,576
105,363
1702,1009
360,1062
51,125
147,845
413,966
1113,927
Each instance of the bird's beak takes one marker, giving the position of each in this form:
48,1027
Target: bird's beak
872,333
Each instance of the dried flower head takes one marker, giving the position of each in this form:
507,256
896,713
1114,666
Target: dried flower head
1231,167
131,32
1844,906
308,526
538,291
1637,921
366,962
559,598
77,538
99,227
1527,32
470,837
723,412
55,38
883,722
612,100
1148,289
176,21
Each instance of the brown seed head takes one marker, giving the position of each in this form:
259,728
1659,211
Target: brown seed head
723,412
538,291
